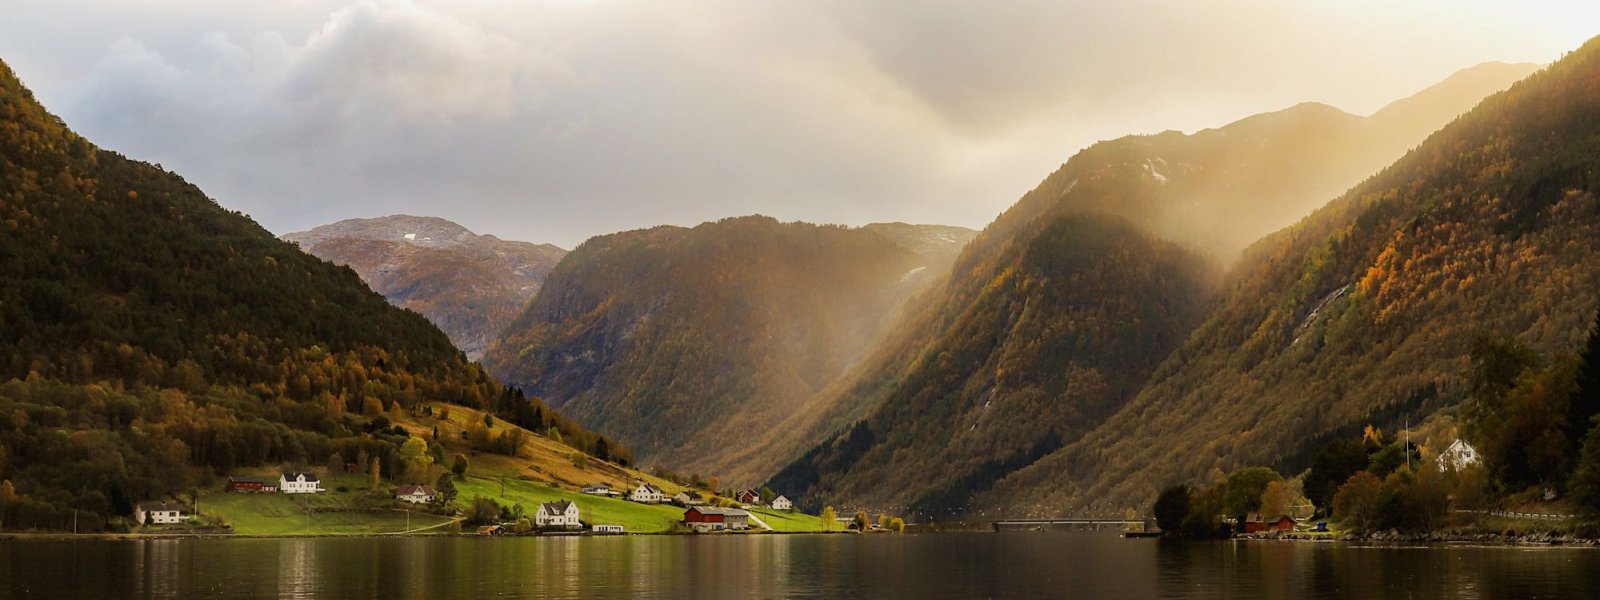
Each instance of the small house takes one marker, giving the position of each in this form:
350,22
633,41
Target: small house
601,489
561,514
702,519
609,529
159,513
1252,524
300,483
782,503
255,485
415,494
1284,523
747,497
491,530
1458,456
688,498
647,494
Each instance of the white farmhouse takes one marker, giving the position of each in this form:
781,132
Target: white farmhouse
158,513
1458,456
561,514
299,483
415,494
782,503
647,494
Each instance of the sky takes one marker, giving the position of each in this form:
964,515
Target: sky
556,120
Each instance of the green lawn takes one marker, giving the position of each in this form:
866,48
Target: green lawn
285,514
594,510
790,522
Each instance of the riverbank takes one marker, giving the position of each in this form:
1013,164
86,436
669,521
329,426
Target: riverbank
1506,538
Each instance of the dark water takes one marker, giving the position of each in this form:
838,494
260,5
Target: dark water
1010,565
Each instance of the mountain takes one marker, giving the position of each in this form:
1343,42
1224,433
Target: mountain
152,339
692,344
469,285
1365,311
992,374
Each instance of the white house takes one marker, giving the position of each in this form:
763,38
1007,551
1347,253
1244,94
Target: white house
648,494
782,503
561,514
299,483
159,513
609,529
688,498
601,489
415,494
1458,456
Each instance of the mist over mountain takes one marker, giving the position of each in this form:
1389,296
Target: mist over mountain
469,285
692,344
991,376
1365,311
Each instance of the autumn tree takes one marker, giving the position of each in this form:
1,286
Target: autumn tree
828,517
1277,499
414,454
863,520
1357,501
898,525
1243,489
459,465
375,474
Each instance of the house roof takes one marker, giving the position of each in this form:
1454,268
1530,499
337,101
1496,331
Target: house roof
780,497
407,490
717,510
259,480
294,476
651,488
555,508
690,494
597,486
161,507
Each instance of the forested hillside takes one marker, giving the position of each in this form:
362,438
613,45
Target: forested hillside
152,337
1366,312
691,345
1210,193
469,285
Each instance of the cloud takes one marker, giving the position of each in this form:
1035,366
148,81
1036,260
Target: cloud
554,120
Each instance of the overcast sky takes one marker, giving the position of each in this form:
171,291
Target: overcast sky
555,120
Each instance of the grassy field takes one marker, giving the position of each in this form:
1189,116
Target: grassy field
544,470
283,514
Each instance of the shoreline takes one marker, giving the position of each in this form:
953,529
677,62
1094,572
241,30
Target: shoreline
1453,537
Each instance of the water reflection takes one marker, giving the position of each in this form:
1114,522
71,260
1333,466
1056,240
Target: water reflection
1009,565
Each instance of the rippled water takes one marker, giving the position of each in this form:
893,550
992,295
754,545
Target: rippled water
1006,565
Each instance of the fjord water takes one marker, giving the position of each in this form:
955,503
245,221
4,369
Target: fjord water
1009,565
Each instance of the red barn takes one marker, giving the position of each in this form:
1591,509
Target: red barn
1282,524
251,484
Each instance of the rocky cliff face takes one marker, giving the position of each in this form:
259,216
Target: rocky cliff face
469,285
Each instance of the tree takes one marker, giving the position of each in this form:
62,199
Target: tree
863,521
828,517
1356,503
883,521
8,497
414,453
1584,487
898,525
713,483
1171,507
766,495
488,420
459,466
1242,492
483,511
444,490
1331,466
375,474
1277,499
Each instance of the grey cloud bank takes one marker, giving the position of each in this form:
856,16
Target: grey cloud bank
557,120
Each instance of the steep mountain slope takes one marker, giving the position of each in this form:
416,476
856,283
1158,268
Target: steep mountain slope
692,344
1365,311
469,285
1210,192
151,336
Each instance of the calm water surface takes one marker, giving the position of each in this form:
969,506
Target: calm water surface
1007,565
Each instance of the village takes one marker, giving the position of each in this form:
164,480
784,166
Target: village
698,511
